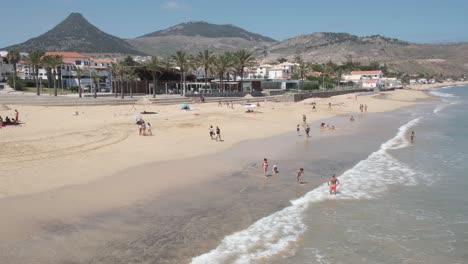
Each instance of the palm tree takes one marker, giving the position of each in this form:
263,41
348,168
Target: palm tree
95,76
35,60
78,73
47,63
55,62
206,60
131,76
182,60
303,68
13,57
154,66
52,62
123,71
243,58
222,64
115,69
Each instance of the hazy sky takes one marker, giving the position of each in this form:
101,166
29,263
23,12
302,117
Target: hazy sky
429,21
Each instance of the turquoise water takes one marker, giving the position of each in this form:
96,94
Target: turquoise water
404,203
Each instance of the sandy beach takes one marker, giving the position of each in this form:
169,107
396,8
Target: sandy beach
55,148
60,167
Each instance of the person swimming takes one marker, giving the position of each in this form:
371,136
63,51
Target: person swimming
275,169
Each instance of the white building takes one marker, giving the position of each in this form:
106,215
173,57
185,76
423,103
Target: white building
262,71
389,83
357,76
282,71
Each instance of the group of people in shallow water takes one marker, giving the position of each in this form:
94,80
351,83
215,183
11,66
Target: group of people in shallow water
363,107
215,134
324,126
10,121
144,128
333,182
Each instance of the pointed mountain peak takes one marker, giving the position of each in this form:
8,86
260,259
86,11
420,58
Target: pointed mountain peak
75,33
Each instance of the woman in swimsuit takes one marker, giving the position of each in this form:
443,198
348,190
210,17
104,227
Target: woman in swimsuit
265,167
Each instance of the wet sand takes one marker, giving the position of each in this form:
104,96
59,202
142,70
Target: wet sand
206,198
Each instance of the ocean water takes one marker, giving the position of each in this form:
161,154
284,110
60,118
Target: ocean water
403,203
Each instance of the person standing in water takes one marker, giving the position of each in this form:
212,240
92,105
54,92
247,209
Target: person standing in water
265,166
412,137
333,182
299,174
307,130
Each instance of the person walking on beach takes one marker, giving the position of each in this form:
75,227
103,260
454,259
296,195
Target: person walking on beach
139,126
219,103
148,129
218,134
333,182
299,174
365,108
17,116
412,137
304,118
329,106
265,167
143,128
307,130
298,130
211,132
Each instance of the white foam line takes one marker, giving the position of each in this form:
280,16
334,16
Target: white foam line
275,233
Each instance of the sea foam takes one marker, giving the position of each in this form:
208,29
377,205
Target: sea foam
275,233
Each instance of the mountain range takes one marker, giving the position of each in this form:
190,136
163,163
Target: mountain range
75,33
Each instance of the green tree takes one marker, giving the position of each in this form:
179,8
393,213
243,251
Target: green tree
14,57
243,58
55,63
79,74
222,64
303,68
34,60
95,76
123,72
131,77
47,64
154,66
129,61
52,63
115,69
206,59
182,60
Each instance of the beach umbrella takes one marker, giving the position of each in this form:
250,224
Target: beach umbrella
184,106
